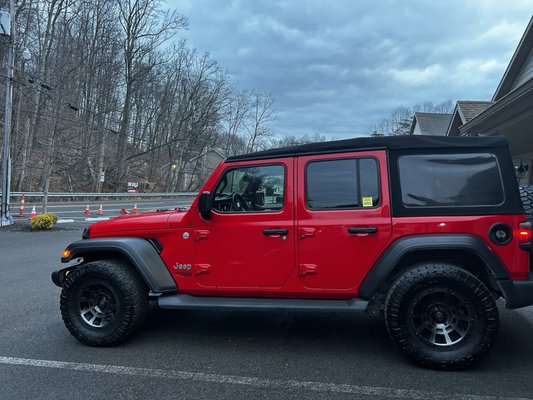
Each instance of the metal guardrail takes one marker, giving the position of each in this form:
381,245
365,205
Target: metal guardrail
38,197
80,194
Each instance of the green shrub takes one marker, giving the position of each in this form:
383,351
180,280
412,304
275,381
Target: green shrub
43,221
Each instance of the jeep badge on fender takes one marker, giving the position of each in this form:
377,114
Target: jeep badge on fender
183,267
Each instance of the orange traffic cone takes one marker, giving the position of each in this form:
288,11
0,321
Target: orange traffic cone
134,211
87,211
100,211
21,209
33,213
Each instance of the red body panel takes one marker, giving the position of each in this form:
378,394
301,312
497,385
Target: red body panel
233,255
515,259
329,257
132,224
318,258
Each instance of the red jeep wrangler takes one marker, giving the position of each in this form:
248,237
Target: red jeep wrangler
429,230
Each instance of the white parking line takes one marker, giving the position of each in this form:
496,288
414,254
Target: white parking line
250,381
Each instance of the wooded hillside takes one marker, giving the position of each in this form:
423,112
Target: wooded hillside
113,93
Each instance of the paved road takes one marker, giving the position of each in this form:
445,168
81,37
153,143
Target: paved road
224,355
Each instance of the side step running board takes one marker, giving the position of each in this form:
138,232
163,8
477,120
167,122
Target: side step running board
185,301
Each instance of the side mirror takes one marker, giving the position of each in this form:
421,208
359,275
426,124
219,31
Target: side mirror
204,205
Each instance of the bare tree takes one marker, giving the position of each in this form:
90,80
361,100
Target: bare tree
46,18
102,101
398,122
144,31
238,107
260,115
294,141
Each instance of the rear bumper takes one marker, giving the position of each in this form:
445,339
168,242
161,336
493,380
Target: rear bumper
517,293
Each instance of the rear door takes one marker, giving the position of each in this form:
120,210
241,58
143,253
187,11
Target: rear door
343,217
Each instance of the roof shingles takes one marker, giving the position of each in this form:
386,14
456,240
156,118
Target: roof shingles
434,124
471,109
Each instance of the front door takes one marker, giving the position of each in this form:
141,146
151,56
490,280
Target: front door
343,215
249,242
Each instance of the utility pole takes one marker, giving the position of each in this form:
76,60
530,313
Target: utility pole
6,218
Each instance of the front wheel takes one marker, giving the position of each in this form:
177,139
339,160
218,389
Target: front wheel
441,316
103,302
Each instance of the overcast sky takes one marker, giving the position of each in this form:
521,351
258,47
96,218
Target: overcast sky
335,67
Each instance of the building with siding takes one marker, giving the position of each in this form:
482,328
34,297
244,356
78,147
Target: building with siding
200,167
434,124
465,110
510,111
511,115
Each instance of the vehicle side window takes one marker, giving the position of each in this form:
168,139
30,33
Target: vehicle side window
450,180
342,184
251,189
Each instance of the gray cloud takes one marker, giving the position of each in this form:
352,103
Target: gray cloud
336,67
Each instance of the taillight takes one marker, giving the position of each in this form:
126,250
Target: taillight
524,235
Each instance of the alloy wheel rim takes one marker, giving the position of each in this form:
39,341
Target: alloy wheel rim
96,305
441,317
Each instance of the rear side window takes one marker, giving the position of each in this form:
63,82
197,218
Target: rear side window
342,184
450,180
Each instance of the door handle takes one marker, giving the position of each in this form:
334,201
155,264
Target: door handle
369,229
275,232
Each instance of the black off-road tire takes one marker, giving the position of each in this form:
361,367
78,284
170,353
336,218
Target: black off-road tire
441,316
526,195
103,302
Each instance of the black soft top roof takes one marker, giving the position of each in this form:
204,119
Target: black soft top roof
373,143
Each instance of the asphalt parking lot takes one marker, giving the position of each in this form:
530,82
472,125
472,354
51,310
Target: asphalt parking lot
224,355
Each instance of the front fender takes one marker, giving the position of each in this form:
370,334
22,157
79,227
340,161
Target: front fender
140,253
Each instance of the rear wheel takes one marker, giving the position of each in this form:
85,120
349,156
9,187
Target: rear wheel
103,302
441,316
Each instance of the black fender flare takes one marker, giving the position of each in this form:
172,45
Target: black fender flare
390,258
138,251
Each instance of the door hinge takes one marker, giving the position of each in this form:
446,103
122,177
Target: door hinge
201,234
308,269
200,269
306,232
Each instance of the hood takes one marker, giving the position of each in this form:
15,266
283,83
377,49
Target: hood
156,220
